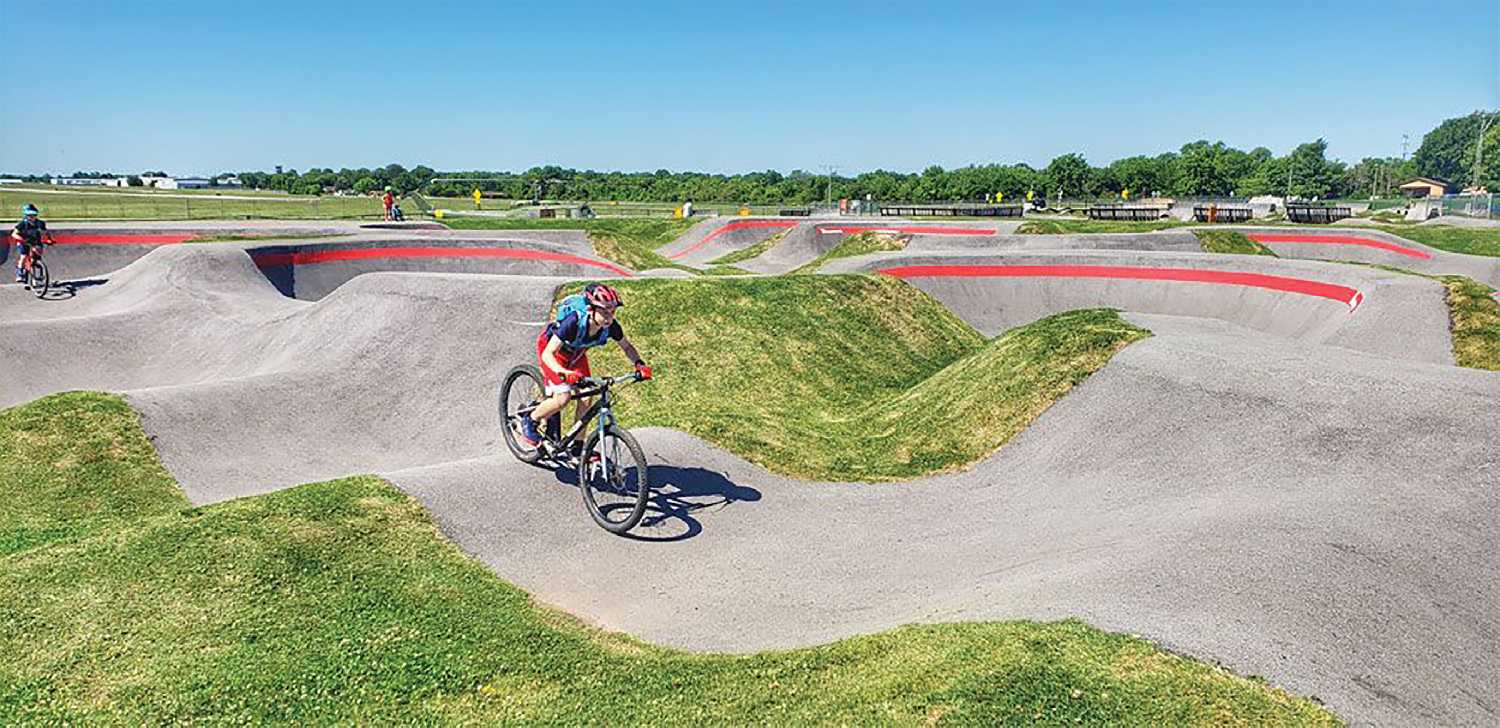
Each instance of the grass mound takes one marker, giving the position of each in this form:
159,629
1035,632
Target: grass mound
754,251
1064,227
845,377
631,242
1474,319
340,603
1229,241
1469,241
857,244
83,469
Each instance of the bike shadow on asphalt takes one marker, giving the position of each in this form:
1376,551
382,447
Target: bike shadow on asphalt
63,290
681,495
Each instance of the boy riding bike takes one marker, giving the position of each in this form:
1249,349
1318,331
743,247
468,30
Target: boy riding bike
584,321
29,233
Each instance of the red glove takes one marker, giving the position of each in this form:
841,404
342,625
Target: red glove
643,370
572,377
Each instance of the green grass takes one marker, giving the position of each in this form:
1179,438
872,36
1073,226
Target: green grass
1061,227
189,205
754,251
631,242
856,244
341,603
1229,241
74,468
725,270
864,370
1470,241
1474,318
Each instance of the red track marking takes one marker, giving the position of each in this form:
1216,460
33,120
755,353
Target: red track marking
1339,240
736,225
127,239
313,257
1342,294
907,230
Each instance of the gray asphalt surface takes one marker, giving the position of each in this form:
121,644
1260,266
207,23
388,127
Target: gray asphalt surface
690,248
1400,316
1277,484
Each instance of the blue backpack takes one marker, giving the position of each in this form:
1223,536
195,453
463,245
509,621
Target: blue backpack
576,304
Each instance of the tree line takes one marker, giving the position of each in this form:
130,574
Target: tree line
1200,168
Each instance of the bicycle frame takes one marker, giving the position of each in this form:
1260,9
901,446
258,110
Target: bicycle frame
600,409
34,252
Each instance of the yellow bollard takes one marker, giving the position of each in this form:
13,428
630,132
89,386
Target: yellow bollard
438,213
744,211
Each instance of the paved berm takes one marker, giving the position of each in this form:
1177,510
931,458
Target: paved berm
1290,484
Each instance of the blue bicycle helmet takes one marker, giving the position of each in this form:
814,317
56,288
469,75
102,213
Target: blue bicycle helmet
30,209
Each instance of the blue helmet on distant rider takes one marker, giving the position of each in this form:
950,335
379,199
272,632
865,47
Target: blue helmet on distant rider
29,210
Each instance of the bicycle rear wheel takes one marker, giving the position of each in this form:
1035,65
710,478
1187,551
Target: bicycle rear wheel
40,279
520,392
614,480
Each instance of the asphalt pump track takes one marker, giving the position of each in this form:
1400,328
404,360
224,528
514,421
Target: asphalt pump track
1290,479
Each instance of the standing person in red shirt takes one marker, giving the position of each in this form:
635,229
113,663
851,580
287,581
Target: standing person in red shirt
388,200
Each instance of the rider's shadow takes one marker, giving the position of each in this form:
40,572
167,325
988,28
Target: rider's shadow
678,494
63,290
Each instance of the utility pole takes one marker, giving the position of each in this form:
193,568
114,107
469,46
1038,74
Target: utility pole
828,193
1484,125
1405,140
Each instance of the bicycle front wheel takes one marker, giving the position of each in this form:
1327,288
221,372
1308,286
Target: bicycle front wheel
614,480
40,278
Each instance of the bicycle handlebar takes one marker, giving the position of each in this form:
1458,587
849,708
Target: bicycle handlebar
593,385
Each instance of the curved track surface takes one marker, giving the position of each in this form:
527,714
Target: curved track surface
1283,479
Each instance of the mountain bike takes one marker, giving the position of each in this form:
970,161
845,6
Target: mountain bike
611,467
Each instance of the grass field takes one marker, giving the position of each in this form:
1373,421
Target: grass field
1469,241
341,603
122,204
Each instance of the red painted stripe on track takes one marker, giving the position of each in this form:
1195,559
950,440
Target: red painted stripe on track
1339,240
736,225
90,239
1343,294
908,230
314,257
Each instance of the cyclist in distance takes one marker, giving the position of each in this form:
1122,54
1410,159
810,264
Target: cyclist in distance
584,321
28,233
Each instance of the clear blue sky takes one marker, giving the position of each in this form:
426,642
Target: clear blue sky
205,87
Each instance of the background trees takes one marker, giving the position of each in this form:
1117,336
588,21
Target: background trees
1207,168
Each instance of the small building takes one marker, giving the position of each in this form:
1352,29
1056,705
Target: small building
9,181
1424,187
192,183
82,182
